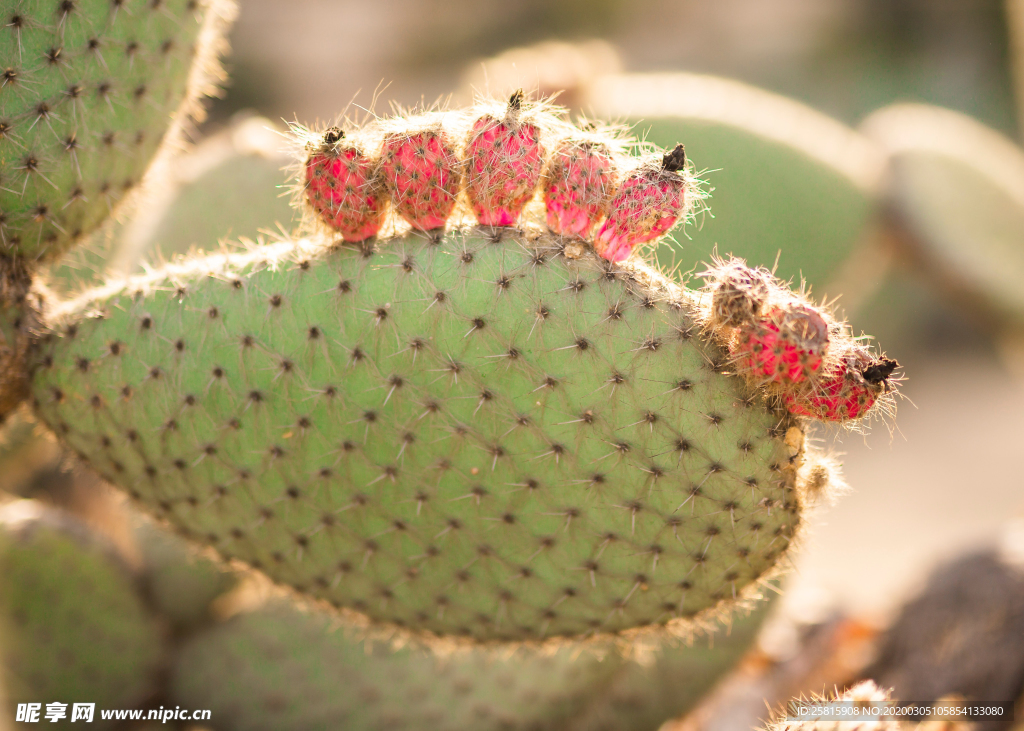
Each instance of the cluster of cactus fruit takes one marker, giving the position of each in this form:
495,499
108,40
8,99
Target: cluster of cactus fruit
786,345
509,431
499,158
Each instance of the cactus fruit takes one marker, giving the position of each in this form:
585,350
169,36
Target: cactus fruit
504,159
785,345
422,172
779,340
89,89
579,185
343,188
849,392
649,202
72,628
470,436
281,668
738,293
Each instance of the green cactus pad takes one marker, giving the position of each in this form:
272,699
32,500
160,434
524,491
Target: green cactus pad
278,668
180,585
465,435
72,627
788,183
89,89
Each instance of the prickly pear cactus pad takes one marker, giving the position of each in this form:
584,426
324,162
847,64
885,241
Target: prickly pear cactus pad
282,668
88,90
495,436
72,627
279,668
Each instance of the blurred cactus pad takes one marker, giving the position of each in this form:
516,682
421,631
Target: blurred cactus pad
72,625
281,668
90,88
955,193
469,434
787,182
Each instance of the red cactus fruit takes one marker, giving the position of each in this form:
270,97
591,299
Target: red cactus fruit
422,173
504,158
342,188
647,205
578,186
850,392
785,345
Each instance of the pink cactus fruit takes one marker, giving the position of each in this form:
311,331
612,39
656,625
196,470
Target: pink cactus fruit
342,188
647,205
785,345
849,392
579,185
422,172
504,159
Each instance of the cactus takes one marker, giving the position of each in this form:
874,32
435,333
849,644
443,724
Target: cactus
866,694
18,318
469,437
491,432
72,628
89,89
279,668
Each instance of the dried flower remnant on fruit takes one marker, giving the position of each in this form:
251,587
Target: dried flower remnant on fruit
738,293
648,204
